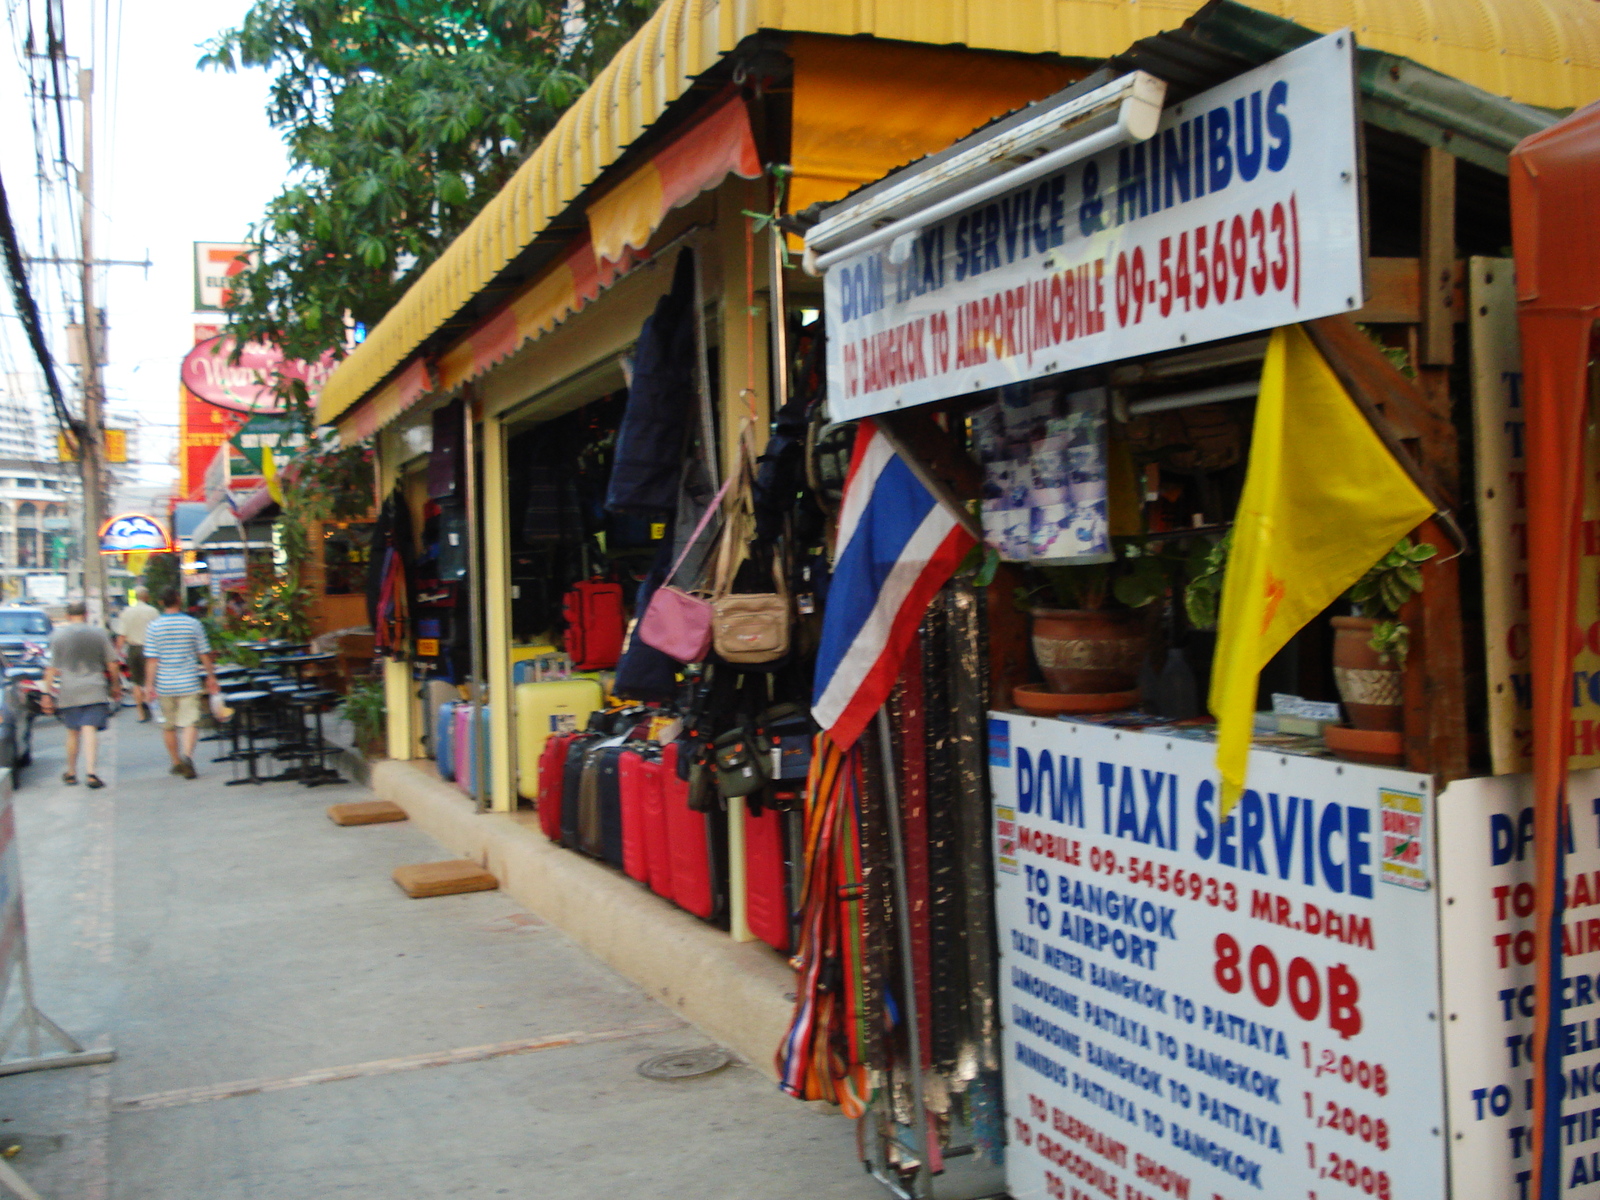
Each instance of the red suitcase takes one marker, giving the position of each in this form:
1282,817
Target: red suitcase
688,842
766,878
640,776
657,859
552,775
596,623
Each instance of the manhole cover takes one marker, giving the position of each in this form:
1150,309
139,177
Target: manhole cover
685,1064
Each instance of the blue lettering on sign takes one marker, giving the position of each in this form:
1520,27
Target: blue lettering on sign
1336,847
1053,787
1294,838
861,288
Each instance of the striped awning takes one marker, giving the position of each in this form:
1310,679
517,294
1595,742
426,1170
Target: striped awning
620,223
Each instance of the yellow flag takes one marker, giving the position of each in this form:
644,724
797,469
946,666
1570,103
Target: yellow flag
1323,500
269,471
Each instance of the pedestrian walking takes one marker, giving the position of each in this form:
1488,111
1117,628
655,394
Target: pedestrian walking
175,650
130,627
84,663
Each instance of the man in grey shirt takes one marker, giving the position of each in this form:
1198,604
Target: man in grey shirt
82,660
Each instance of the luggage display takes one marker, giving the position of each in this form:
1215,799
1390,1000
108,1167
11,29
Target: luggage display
552,774
766,877
640,778
571,784
600,802
470,741
596,622
544,710
444,736
689,842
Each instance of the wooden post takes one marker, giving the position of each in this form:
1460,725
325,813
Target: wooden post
1438,257
742,316
496,559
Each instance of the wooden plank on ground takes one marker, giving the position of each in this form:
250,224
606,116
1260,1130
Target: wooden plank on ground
447,878
366,812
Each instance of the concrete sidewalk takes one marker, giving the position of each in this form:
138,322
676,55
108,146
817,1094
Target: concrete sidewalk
240,951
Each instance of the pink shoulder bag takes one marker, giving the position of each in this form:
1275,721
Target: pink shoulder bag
678,622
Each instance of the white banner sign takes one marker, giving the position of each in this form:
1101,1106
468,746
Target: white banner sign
1195,1009
1486,878
1241,214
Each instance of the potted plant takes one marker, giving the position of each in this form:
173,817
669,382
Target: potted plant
1370,647
365,708
1093,636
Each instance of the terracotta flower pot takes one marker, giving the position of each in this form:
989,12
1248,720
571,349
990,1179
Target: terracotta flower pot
1081,650
1372,691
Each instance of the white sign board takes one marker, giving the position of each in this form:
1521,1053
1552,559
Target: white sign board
46,589
1242,213
216,264
1486,878
1197,1010
1502,472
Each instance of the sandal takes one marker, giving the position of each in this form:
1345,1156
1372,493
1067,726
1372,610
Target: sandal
69,778
93,781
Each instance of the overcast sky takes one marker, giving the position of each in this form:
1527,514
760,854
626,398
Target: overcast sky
182,155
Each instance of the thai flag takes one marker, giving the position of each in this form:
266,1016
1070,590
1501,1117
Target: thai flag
897,546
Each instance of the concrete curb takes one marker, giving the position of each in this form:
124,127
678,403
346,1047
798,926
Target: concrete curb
738,993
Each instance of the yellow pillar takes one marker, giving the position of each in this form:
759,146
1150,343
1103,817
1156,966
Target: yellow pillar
398,699
496,558
743,333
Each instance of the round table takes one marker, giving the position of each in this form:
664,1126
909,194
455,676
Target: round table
299,661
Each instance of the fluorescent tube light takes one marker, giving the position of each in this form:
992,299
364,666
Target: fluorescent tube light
1063,135
1210,395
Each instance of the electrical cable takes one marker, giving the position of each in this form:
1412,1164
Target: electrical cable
22,297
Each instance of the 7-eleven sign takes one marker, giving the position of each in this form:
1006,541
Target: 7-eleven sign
215,265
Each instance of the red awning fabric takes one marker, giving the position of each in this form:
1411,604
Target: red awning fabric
1555,216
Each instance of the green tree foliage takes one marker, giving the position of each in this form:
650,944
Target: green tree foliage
402,119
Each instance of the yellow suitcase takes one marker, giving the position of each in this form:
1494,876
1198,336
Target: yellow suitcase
555,706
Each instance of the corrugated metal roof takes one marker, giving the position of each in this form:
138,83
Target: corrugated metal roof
1539,52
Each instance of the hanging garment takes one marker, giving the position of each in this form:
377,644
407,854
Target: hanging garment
447,463
651,436
389,575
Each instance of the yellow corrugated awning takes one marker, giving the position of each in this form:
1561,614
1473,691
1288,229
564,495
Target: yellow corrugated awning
1542,52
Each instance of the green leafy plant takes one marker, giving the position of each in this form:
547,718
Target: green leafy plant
1202,595
1384,589
1137,577
402,118
365,708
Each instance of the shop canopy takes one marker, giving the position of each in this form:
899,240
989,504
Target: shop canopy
618,159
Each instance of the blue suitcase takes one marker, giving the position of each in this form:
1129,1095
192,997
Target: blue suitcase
444,739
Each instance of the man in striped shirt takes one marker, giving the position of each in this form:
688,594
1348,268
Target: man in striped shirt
175,649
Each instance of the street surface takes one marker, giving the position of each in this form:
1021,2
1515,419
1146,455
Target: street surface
238,949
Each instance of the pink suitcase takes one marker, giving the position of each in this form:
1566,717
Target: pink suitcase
469,742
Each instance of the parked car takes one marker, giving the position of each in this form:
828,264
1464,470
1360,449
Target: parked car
24,630
17,709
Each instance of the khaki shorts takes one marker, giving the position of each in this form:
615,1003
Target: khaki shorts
180,712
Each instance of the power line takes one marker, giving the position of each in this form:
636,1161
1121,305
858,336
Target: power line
22,298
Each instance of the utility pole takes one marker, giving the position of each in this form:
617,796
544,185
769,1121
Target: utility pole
91,453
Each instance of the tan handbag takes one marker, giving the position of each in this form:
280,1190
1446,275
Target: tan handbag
747,627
